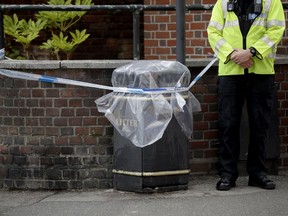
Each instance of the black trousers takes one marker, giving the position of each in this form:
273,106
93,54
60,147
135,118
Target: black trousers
258,91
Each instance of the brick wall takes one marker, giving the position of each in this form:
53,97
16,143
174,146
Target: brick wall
53,137
204,143
160,32
282,79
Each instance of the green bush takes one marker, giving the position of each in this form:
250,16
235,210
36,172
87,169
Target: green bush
23,32
55,22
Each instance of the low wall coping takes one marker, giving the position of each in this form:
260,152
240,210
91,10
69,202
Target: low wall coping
97,64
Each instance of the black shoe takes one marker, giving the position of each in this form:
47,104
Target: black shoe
262,182
225,183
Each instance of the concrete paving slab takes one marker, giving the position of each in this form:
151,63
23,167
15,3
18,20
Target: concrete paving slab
201,199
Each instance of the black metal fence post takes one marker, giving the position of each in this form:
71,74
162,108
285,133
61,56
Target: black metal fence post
136,34
180,31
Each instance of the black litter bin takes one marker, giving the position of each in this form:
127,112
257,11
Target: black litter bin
162,166
150,150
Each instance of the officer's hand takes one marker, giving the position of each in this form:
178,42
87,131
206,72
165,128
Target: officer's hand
241,57
247,64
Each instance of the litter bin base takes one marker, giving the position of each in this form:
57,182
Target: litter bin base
150,184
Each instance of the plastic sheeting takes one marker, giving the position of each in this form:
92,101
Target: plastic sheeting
143,118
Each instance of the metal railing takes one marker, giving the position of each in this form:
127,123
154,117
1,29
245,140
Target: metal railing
135,9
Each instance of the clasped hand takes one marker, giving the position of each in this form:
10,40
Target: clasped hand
242,58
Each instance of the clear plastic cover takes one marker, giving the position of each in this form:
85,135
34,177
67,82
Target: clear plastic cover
143,118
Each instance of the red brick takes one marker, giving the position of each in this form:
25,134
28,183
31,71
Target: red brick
32,121
24,150
75,121
45,102
284,121
199,144
80,131
75,103
24,111
7,159
211,153
54,93
62,141
210,117
82,112
89,140
60,122
89,121
200,125
211,134
60,103
75,140
38,93
3,149
203,167
151,27
38,112
102,121
285,161
52,112
284,86
209,98
151,43
162,35
162,50
171,43
52,131
67,112
163,2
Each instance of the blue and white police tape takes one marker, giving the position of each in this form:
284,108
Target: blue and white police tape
2,55
202,73
50,79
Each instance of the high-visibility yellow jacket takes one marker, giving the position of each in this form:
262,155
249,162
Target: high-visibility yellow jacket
265,33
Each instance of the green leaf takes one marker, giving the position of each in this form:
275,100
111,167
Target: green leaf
11,25
79,37
62,20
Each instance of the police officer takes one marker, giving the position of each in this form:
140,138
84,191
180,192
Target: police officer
244,35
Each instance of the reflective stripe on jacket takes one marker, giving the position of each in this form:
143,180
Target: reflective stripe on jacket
265,33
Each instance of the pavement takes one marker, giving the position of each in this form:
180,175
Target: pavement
201,199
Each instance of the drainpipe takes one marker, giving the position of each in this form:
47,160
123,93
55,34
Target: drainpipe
180,31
